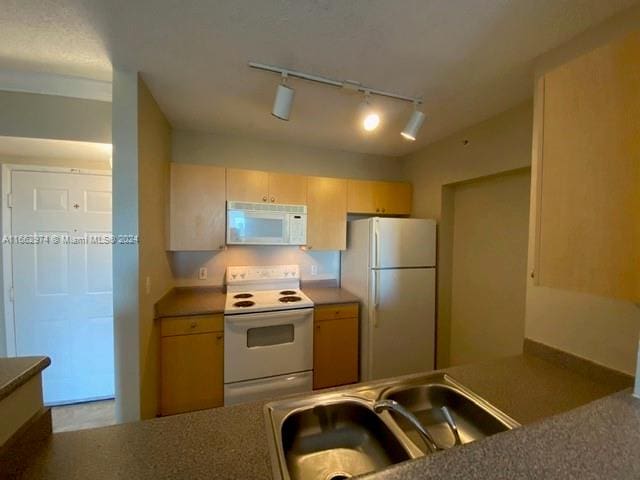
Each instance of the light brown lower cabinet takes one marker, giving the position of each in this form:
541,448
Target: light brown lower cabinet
335,345
191,364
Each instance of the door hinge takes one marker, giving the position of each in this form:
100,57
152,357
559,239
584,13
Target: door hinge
9,200
11,294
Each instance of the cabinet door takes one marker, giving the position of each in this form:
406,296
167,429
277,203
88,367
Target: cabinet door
191,372
196,207
335,352
326,213
247,185
393,198
288,189
588,168
361,196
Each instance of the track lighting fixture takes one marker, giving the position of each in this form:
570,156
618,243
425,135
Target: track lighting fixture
283,102
284,99
414,124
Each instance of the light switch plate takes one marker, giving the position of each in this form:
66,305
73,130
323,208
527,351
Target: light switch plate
203,274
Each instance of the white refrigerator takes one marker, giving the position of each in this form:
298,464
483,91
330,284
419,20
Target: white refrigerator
390,264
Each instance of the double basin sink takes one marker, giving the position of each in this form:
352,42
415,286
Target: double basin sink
342,434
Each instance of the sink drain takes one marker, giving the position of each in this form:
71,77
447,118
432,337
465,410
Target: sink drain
338,476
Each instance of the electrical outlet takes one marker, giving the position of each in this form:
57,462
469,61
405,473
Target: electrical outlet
314,269
203,274
147,285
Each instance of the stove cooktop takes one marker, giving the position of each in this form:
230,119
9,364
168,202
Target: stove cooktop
265,301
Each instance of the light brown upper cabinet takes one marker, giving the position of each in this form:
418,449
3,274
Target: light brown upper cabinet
196,207
289,189
586,166
247,185
257,186
382,198
327,213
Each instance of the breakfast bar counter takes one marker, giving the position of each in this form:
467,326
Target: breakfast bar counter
597,440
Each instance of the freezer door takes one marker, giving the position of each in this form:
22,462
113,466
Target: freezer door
403,242
401,322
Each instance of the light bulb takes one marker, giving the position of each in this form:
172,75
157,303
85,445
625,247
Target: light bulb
371,121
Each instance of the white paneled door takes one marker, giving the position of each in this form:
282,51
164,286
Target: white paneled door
62,279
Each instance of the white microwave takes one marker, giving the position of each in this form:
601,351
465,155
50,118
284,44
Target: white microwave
266,224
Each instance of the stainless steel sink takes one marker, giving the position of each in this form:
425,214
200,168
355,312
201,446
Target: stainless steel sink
338,441
337,435
474,417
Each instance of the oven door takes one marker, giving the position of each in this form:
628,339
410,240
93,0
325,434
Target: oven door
249,227
267,344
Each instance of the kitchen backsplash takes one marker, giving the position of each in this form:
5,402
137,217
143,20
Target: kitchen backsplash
186,265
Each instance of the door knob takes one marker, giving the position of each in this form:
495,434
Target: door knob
273,199
264,199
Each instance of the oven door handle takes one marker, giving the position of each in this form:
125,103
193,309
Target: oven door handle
289,315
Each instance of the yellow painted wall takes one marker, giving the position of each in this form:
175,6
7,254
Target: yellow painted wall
154,155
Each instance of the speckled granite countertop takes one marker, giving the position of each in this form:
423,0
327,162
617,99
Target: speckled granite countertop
17,371
231,442
329,296
191,301
184,301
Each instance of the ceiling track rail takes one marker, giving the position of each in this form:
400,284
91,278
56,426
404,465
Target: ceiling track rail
346,84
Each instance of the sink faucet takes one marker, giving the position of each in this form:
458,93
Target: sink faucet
394,406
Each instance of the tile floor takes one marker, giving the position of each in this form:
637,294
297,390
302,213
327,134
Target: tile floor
83,415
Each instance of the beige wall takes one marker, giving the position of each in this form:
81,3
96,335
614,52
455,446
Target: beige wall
600,329
154,155
242,152
142,152
35,115
490,234
186,264
126,257
498,145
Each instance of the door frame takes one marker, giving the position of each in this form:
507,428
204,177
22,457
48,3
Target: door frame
7,260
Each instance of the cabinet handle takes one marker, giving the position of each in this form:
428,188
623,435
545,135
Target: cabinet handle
193,325
264,199
383,210
218,337
377,210
309,247
273,199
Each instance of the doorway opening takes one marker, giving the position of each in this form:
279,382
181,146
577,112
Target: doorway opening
57,274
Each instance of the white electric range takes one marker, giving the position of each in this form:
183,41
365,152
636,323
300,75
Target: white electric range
268,329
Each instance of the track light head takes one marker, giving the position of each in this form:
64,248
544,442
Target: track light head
370,117
283,102
414,124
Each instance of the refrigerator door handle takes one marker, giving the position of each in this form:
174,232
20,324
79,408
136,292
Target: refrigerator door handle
376,250
376,296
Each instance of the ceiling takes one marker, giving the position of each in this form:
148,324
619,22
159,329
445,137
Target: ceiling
54,149
468,59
